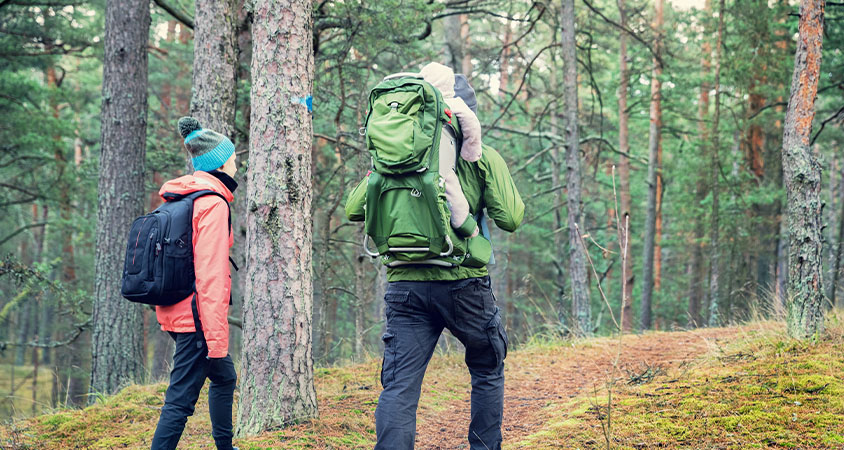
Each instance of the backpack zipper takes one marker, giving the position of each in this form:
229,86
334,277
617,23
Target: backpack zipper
137,239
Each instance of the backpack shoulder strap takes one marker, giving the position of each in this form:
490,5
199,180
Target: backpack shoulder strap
170,197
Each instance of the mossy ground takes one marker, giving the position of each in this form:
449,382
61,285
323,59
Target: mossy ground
753,389
760,391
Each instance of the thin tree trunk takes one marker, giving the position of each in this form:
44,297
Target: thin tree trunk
35,360
803,180
466,68
559,223
277,384
624,216
117,336
654,189
213,93
244,58
714,176
453,41
781,272
696,270
581,308
839,244
363,265
504,61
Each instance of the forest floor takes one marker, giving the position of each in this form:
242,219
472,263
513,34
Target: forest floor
718,388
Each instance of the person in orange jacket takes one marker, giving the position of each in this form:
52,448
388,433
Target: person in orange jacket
199,323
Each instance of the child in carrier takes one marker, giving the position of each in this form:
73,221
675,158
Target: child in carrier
443,78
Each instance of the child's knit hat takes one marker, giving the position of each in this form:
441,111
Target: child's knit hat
464,90
208,149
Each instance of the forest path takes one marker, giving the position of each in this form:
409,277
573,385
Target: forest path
537,378
545,384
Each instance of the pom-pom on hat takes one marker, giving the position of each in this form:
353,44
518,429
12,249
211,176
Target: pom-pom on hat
208,149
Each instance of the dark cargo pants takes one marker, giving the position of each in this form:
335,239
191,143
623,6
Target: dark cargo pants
190,369
417,312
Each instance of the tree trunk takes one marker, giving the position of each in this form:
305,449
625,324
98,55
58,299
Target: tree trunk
559,223
504,61
839,244
696,274
581,308
466,68
213,93
162,359
624,216
803,180
714,176
780,287
244,58
654,181
214,97
277,384
117,339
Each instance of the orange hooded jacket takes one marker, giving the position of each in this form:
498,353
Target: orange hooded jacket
212,240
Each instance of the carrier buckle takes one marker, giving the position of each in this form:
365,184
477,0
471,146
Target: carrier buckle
415,193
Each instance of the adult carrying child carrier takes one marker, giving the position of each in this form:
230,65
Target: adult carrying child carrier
407,218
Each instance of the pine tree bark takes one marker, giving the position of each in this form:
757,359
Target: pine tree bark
714,177
581,308
277,368
213,93
624,216
802,174
654,183
118,324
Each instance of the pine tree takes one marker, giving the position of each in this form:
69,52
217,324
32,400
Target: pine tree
277,367
118,324
581,308
802,174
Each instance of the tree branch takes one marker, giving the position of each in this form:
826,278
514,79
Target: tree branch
626,30
21,230
823,125
561,140
79,329
185,19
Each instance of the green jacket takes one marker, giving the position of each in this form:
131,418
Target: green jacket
486,184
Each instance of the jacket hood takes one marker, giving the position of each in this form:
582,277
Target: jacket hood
199,181
442,77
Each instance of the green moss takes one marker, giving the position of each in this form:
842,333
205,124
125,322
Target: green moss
56,420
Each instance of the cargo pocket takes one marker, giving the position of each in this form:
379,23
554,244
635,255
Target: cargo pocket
497,337
396,297
396,301
388,364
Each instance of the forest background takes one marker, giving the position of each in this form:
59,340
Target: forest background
718,239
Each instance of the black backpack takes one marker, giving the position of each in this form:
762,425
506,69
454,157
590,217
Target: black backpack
158,269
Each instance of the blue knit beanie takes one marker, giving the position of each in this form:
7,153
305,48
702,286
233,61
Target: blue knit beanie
208,149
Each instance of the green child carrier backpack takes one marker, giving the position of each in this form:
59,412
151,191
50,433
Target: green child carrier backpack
407,218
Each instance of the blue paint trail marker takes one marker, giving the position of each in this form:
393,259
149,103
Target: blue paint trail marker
306,101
